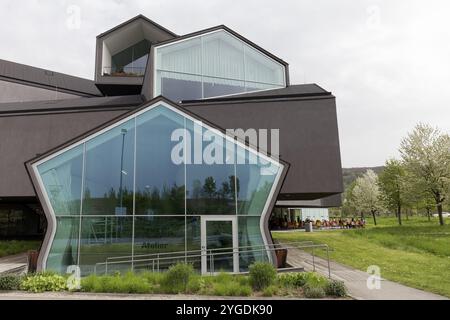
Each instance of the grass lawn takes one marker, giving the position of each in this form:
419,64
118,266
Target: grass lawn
10,247
416,254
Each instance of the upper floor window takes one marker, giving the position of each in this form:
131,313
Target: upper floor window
129,62
211,65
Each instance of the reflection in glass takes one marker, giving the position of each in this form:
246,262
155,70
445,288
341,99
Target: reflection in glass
210,186
219,239
159,181
61,176
255,182
103,238
132,186
129,62
64,249
109,169
250,240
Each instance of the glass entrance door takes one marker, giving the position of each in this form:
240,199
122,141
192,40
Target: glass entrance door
219,244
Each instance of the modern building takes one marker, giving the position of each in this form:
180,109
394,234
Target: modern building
182,146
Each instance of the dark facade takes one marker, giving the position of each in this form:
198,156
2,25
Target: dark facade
36,123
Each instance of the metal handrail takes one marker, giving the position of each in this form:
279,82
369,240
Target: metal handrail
128,71
184,253
263,248
192,251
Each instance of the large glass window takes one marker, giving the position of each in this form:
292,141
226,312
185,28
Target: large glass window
129,62
212,65
61,176
105,244
256,177
210,178
109,170
159,182
145,189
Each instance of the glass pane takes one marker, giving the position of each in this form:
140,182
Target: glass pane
219,239
210,179
159,181
223,56
64,249
62,181
102,239
193,241
262,69
109,172
214,87
256,179
131,61
251,242
182,57
179,86
158,235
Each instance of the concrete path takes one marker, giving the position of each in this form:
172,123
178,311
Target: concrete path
20,295
356,281
14,264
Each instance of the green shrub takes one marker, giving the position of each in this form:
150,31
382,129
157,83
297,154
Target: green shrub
129,283
195,285
270,291
336,289
152,278
176,279
313,292
41,282
314,279
293,279
261,275
231,288
10,282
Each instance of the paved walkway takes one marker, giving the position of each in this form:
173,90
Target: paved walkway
14,264
356,281
20,295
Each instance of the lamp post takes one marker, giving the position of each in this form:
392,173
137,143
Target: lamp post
123,132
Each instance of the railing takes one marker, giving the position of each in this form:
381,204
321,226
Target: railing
123,71
157,261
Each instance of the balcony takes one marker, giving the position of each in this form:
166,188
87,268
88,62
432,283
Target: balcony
123,71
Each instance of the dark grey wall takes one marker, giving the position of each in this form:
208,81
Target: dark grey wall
309,138
18,92
22,137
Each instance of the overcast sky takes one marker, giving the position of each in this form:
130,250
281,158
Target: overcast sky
387,62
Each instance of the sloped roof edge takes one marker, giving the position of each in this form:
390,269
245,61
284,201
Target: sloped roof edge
140,16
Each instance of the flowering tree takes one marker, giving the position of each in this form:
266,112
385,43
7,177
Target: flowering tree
366,194
391,181
426,154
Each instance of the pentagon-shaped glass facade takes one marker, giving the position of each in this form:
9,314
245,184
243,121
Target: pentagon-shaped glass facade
144,188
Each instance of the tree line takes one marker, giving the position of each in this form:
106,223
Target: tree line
418,180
